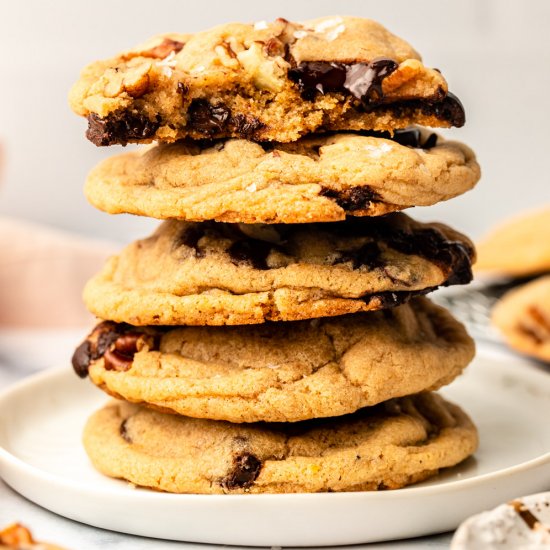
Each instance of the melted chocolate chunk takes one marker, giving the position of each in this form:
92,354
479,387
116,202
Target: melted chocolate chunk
81,359
119,128
117,343
362,80
449,109
367,255
207,118
124,432
389,299
453,257
412,137
107,337
246,468
246,127
355,198
217,119
191,237
252,251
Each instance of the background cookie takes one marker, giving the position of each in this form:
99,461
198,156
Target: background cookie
319,178
279,372
523,317
400,442
213,274
267,82
519,247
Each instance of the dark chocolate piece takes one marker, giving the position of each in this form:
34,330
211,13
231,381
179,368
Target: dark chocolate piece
119,128
207,118
448,109
389,299
246,468
217,119
191,237
367,255
362,80
117,343
81,359
252,251
354,198
453,257
412,137
124,431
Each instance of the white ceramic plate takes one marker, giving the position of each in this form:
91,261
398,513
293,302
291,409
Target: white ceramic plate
41,457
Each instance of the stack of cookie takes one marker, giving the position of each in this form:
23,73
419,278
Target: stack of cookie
271,335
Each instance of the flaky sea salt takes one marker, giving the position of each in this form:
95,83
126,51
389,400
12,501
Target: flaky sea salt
324,26
260,25
376,151
251,188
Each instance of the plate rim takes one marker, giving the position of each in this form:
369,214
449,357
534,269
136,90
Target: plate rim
153,496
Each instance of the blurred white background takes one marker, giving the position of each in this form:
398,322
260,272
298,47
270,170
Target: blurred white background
494,53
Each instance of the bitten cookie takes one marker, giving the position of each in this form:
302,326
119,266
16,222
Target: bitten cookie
386,447
523,317
265,81
518,248
279,372
317,179
214,274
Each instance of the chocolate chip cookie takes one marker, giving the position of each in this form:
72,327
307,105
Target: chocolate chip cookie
319,178
265,82
279,372
523,317
518,248
229,274
400,442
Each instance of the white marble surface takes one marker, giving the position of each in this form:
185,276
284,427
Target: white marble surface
23,352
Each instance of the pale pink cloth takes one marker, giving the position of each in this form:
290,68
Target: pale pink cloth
42,273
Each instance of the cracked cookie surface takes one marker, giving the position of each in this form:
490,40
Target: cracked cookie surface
523,317
266,82
211,273
279,372
317,179
400,442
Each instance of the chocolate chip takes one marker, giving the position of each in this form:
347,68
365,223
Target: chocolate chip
389,299
106,338
246,126
246,468
207,118
412,137
81,359
354,198
124,431
362,80
253,251
367,255
117,343
190,238
210,119
119,128
449,109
